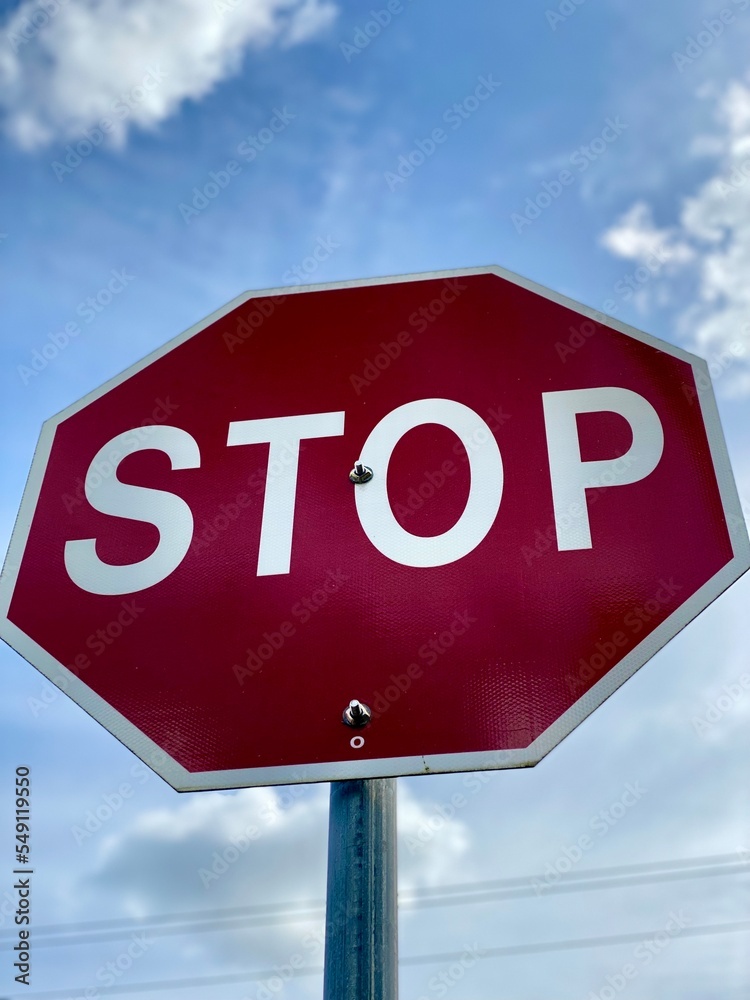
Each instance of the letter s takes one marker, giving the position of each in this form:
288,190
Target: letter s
168,512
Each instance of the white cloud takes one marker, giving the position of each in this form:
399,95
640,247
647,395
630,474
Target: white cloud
311,17
636,237
433,840
214,850
710,245
66,66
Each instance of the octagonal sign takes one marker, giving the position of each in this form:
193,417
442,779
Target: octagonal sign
551,501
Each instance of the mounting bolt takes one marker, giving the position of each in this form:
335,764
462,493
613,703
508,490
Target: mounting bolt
356,714
360,473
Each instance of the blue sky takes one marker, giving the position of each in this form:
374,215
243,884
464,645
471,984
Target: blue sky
648,108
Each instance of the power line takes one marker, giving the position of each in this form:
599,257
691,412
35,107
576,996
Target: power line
235,923
558,887
587,874
165,918
576,943
590,873
225,979
318,912
231,918
412,960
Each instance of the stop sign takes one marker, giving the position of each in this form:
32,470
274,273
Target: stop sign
550,502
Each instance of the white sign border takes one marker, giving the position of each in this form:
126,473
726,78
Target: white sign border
181,779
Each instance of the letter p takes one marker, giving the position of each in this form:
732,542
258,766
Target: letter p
571,477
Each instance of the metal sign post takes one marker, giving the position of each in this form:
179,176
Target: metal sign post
361,955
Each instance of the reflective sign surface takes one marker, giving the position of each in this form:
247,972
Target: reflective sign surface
550,502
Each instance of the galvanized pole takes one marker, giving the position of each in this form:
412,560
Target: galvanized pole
361,960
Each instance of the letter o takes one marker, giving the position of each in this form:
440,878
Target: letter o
485,492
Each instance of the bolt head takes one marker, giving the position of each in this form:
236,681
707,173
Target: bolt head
356,714
361,474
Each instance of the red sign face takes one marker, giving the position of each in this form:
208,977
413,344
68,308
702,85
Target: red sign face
551,501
